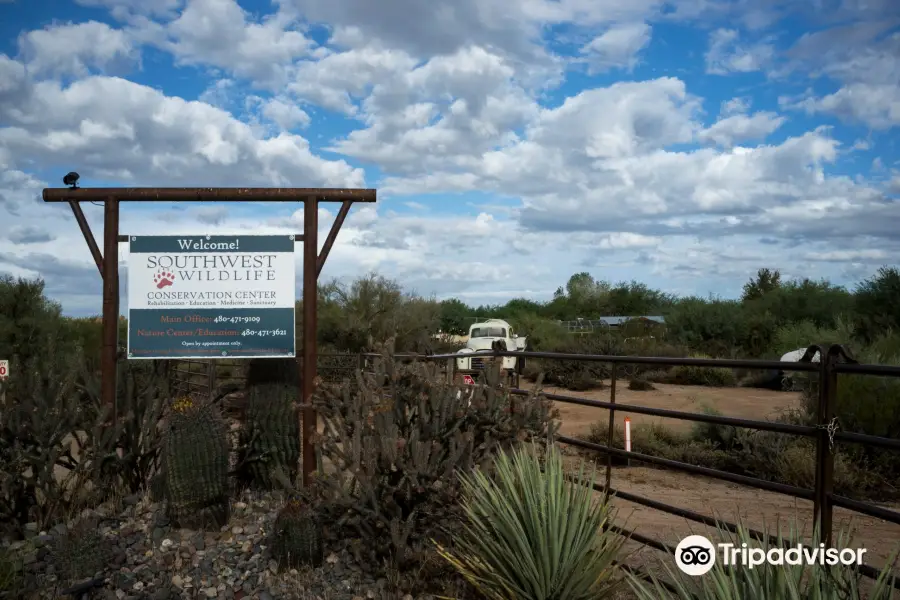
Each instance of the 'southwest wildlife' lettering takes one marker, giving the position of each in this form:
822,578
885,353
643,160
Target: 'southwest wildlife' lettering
216,267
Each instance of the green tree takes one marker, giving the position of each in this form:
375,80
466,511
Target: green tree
27,318
765,281
454,316
805,300
635,298
877,303
369,311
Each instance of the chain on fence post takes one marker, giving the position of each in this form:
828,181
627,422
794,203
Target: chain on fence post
612,427
826,423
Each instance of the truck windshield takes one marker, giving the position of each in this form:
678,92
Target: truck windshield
478,332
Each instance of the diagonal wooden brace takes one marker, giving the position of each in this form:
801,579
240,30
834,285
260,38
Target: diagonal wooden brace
332,235
88,235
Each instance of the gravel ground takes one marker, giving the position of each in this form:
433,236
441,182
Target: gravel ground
145,558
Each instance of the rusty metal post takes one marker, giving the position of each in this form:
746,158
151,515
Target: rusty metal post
109,356
310,298
211,378
825,420
612,428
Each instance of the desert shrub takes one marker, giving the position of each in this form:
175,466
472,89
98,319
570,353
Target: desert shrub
865,404
584,375
805,300
397,439
369,311
710,376
762,454
579,375
768,581
720,436
530,533
877,304
11,574
802,334
129,450
657,440
709,326
40,416
60,447
543,335
640,384
659,376
869,405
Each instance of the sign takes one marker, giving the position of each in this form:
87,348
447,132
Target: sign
468,380
211,296
4,369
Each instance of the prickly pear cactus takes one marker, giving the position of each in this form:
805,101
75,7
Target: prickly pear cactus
81,553
195,466
270,435
297,535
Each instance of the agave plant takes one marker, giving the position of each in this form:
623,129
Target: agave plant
771,581
532,532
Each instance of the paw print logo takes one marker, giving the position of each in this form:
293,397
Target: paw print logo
163,279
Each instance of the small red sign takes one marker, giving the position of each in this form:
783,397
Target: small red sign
468,380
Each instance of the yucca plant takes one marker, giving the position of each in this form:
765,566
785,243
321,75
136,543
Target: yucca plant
771,581
532,532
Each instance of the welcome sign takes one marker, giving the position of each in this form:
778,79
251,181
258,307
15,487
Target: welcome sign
211,296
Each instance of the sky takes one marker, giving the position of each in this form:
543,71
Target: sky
684,144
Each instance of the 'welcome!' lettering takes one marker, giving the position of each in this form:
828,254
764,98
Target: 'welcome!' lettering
190,244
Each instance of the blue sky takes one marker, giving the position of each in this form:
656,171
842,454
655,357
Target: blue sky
683,144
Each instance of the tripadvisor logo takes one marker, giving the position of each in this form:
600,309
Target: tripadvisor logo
695,555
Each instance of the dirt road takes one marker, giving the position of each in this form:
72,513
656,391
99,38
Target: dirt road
755,508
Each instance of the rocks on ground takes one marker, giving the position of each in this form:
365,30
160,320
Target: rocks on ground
153,561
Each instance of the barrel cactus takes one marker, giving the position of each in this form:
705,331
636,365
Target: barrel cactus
81,553
195,466
297,535
157,487
270,436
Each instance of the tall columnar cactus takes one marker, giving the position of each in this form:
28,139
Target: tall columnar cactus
270,437
195,464
297,535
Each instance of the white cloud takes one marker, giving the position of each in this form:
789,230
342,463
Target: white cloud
727,55
220,33
862,59
76,49
617,47
877,105
124,131
284,113
736,106
461,98
626,240
741,128
448,110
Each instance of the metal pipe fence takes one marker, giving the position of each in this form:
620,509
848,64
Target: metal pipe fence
834,360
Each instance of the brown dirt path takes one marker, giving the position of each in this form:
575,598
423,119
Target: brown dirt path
755,508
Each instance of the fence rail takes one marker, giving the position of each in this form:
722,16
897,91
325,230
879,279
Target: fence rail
835,360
